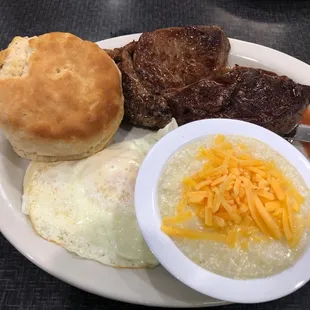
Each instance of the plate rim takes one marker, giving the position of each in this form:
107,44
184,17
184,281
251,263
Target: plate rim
7,231
257,50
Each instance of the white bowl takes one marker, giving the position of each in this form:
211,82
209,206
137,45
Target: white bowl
168,254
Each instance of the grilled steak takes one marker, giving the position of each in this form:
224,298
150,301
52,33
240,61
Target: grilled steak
253,95
176,57
181,73
144,107
165,59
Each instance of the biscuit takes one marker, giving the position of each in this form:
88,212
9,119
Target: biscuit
60,97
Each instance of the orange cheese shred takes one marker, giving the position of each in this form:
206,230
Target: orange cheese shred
193,234
265,194
268,220
277,189
286,227
172,220
238,199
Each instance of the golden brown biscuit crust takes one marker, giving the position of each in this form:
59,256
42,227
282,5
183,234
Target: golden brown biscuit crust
77,94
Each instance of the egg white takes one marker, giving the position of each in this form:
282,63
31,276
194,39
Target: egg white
87,206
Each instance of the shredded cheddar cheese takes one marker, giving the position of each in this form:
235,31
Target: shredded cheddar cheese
238,199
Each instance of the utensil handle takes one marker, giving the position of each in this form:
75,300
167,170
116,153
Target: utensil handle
301,133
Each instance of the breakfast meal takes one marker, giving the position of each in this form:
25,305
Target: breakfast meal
87,206
182,73
231,204
235,206
60,97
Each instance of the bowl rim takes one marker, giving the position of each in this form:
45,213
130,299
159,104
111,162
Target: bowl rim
168,254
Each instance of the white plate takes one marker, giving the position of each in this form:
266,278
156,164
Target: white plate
150,287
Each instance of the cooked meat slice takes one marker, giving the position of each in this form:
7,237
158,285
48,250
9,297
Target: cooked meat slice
266,99
253,95
200,100
165,59
115,54
142,107
176,57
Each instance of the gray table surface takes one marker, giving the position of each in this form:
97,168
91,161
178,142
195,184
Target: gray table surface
283,25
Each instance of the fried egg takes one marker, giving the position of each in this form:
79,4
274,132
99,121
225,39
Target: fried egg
87,206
